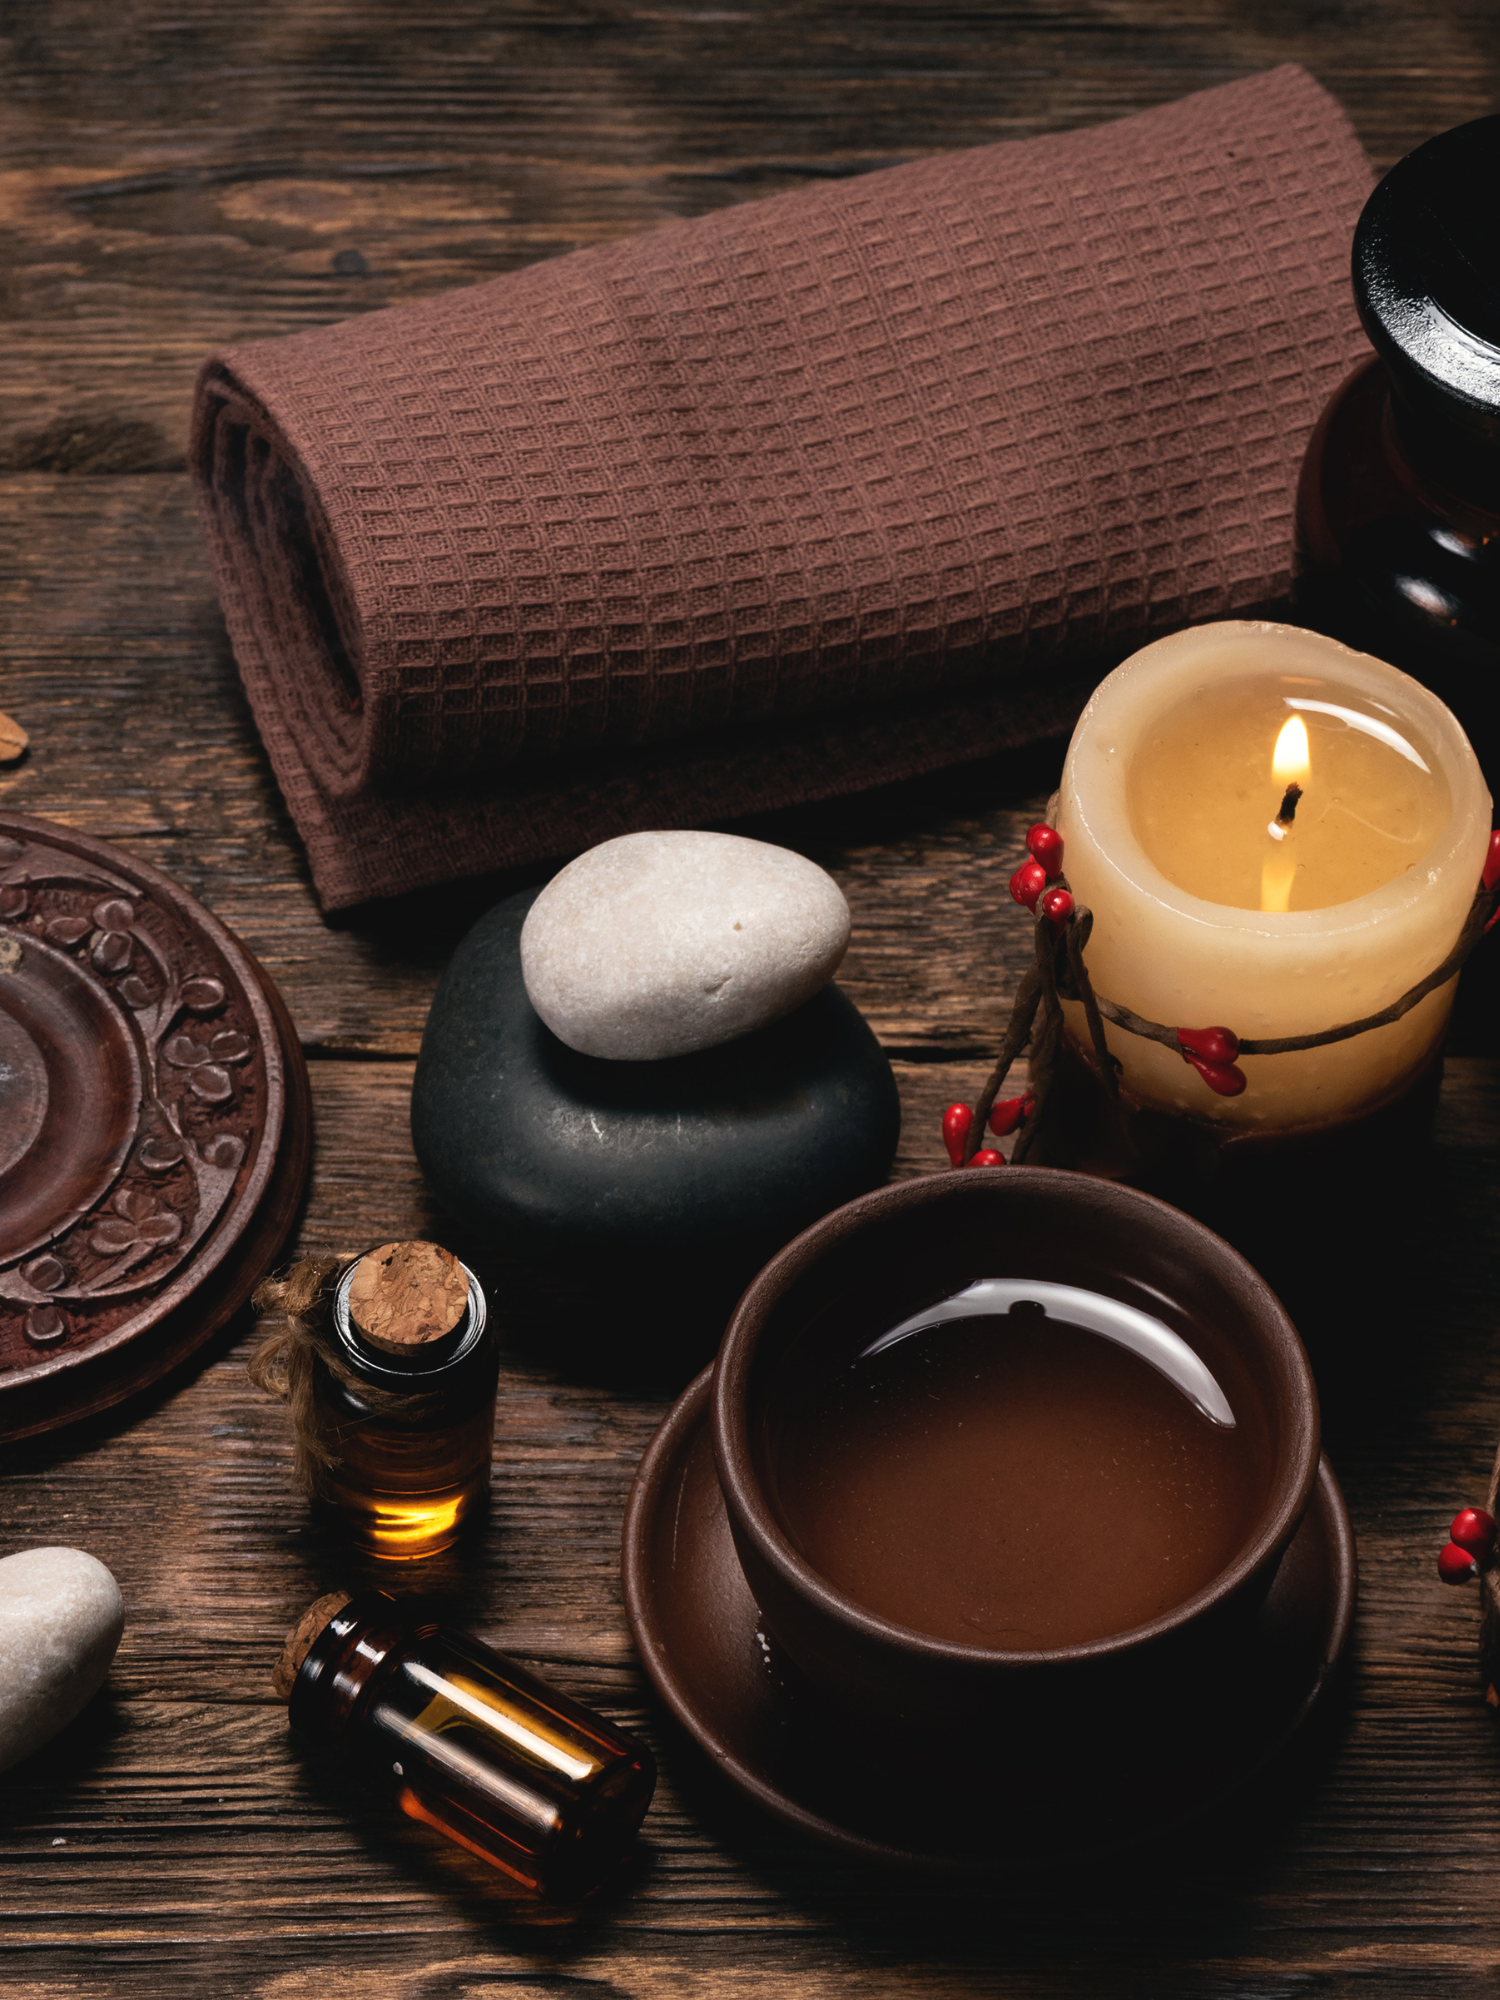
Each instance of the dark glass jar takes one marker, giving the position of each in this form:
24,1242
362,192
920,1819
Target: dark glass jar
467,1742
409,1431
1398,510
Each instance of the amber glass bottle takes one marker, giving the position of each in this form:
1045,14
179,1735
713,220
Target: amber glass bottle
408,1423
468,1742
1398,510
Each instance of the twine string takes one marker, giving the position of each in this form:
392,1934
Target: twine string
1475,924
1058,972
1481,910
1077,935
1046,1036
294,1315
1017,1034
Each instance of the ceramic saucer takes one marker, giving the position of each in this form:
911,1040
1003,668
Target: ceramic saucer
982,1808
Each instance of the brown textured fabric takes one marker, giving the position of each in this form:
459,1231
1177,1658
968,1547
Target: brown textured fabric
810,494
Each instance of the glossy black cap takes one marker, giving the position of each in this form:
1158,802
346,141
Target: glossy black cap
1427,283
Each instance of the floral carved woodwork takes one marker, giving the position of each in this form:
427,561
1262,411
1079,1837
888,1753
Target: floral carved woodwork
142,1096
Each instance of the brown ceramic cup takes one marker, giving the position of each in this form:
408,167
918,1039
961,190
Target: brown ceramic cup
894,1253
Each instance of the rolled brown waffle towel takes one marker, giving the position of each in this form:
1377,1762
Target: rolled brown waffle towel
807,495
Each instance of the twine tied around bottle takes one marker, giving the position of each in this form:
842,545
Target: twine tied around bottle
294,1315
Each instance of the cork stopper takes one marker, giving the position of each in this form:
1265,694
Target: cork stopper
302,1638
404,1295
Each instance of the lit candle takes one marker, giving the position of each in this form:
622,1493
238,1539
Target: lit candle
1291,764
1277,836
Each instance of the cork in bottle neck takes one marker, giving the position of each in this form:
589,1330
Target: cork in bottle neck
303,1636
403,1297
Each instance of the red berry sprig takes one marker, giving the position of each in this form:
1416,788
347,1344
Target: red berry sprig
956,1122
958,1119
1491,873
1012,1112
1045,846
1473,1529
1471,1543
1029,887
1027,884
1212,1053
1456,1565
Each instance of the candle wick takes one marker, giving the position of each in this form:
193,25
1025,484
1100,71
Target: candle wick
1289,805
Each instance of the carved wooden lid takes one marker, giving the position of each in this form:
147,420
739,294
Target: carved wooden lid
153,1124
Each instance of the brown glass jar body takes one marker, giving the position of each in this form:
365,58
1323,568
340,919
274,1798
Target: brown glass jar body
404,1490
409,1439
1398,534
469,1743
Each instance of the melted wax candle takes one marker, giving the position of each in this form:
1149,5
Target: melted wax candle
1278,836
1267,795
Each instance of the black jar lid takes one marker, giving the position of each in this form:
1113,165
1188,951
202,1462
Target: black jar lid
1427,283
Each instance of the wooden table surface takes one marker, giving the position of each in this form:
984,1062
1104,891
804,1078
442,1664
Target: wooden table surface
177,175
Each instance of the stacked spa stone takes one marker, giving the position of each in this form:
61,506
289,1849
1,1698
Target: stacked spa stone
647,1060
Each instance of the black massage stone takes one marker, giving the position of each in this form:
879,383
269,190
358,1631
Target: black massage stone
727,1153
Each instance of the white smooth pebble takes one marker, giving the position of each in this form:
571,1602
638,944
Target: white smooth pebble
657,944
61,1616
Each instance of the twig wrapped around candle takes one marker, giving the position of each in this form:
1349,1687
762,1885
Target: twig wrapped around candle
1481,915
1058,973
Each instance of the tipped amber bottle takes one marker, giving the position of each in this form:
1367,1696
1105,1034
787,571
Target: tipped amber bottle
468,1742
403,1411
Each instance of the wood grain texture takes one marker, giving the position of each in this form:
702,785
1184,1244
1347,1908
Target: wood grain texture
172,177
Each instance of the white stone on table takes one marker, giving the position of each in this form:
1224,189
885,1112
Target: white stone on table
61,1616
657,944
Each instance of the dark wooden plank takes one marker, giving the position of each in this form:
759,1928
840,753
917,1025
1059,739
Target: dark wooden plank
164,193
171,178
190,1821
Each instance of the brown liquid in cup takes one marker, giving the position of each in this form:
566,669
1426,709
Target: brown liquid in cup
1012,1480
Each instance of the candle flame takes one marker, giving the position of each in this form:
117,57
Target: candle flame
1290,761
1291,764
